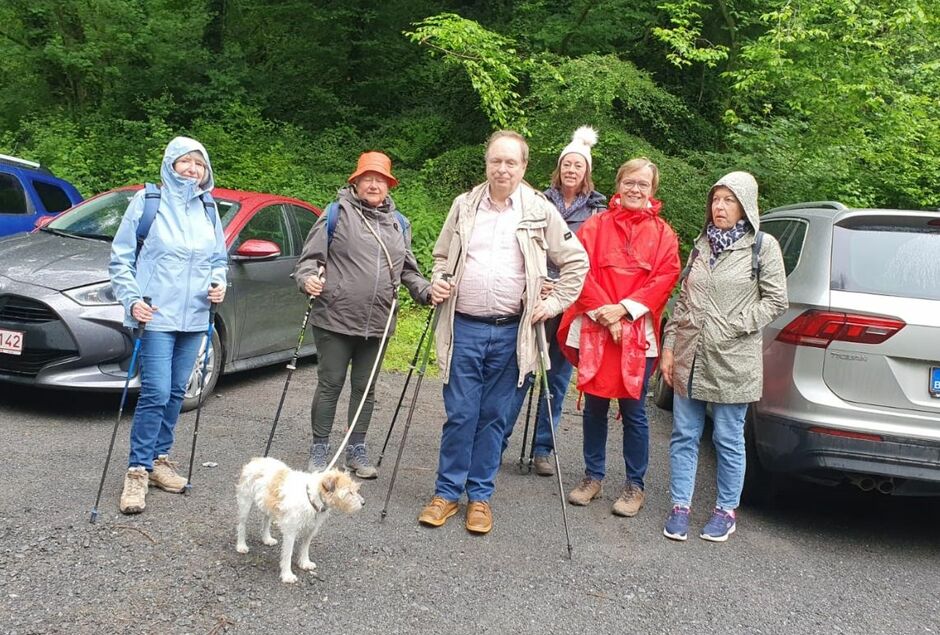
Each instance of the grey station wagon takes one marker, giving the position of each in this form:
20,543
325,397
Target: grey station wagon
852,369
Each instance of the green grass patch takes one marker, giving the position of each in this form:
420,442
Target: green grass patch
401,347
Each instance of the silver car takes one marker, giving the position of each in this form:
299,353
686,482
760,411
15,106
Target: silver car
852,369
60,325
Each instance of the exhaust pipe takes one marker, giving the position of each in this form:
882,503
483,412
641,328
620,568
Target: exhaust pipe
863,482
886,485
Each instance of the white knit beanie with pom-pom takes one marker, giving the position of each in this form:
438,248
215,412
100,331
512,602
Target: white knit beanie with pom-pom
583,139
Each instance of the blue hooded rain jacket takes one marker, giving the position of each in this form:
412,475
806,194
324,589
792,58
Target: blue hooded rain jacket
182,255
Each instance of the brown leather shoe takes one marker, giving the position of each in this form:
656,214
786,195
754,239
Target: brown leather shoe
586,491
479,517
630,501
437,512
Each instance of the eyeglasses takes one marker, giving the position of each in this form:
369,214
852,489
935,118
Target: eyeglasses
643,186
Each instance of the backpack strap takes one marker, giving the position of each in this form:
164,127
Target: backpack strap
332,217
688,265
151,207
755,255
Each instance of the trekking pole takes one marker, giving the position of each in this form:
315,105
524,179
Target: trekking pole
535,429
292,365
414,400
543,363
213,308
525,430
401,399
138,335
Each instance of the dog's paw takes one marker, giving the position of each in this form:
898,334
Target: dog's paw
289,578
269,540
241,548
308,565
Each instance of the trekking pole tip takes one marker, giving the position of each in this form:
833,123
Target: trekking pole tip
94,516
187,489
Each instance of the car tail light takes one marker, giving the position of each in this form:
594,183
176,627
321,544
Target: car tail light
821,328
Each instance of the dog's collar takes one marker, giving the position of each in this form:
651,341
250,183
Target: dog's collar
314,500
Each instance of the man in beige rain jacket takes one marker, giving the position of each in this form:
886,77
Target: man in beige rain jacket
489,267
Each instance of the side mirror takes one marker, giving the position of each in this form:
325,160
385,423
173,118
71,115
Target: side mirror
257,249
42,221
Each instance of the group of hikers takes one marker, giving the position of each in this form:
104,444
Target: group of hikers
596,273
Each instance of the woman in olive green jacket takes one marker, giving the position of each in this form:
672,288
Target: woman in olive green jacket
712,347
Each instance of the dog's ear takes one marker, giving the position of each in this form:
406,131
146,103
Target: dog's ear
328,483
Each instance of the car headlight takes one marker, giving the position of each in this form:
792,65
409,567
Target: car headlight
93,294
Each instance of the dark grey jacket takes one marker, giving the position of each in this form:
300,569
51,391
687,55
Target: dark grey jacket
359,287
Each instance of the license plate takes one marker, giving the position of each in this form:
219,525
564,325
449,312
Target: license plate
11,342
934,386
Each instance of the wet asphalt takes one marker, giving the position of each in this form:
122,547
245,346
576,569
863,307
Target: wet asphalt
819,560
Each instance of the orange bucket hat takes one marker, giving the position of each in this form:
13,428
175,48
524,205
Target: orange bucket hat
374,162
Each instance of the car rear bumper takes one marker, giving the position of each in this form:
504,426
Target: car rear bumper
784,445
66,345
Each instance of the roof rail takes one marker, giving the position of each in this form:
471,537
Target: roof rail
23,163
833,205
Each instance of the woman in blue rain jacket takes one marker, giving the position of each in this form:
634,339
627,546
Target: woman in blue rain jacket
182,256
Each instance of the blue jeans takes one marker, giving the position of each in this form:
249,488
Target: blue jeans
477,399
636,433
688,421
166,363
559,376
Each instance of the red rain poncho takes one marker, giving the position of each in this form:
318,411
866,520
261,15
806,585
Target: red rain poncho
634,255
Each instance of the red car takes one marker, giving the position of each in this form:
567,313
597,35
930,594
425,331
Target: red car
56,301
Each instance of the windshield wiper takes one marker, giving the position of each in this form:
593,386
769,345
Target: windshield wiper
60,232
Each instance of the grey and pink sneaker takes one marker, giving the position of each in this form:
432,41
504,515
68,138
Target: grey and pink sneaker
677,524
719,526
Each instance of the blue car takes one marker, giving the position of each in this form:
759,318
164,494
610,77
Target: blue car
30,193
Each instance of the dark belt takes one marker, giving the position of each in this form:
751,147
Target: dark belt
495,320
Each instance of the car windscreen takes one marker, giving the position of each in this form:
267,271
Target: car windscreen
885,256
100,217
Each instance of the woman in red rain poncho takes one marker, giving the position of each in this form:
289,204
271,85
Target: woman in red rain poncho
612,332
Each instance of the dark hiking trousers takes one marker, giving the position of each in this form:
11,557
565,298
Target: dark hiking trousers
335,353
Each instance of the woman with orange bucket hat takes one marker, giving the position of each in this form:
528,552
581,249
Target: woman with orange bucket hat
353,261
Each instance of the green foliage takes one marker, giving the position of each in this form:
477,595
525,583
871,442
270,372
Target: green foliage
684,35
488,58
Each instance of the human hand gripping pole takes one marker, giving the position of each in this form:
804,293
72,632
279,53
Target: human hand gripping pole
138,335
213,309
543,366
414,398
292,365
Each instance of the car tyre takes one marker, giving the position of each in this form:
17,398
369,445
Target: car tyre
761,486
193,394
662,392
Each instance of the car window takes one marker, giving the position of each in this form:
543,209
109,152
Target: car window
98,217
897,260
12,196
305,220
267,224
790,233
53,197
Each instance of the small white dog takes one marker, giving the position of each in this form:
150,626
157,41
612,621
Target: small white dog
298,502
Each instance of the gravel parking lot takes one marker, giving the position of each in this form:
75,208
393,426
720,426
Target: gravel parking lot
821,560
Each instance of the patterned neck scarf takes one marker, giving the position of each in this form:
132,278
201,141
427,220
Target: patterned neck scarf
721,239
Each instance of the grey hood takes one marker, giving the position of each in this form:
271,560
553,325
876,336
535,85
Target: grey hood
744,186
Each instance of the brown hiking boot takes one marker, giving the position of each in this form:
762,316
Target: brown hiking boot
544,466
164,475
134,496
479,517
586,491
437,512
630,501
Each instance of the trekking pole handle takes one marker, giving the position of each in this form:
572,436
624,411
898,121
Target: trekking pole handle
213,306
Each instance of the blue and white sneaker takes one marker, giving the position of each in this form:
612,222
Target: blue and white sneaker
719,526
677,525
